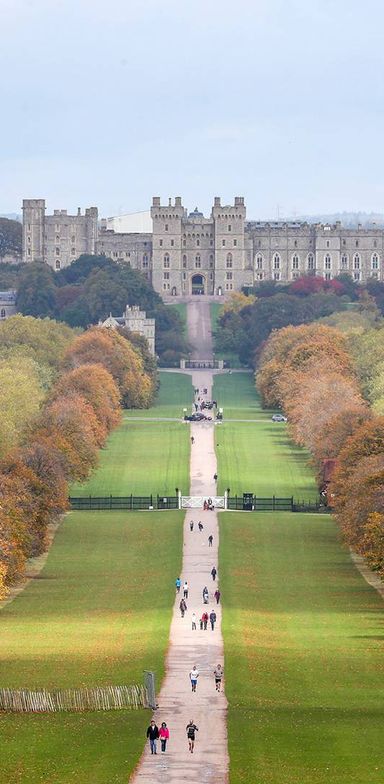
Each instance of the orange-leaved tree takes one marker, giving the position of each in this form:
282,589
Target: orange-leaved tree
96,385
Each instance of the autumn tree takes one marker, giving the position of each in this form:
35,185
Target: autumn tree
43,340
96,385
21,396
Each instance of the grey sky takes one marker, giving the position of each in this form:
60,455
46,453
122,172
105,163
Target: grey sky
109,103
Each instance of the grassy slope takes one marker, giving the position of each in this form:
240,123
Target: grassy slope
146,457
257,457
304,667
98,614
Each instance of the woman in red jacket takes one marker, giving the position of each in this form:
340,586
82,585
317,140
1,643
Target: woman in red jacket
163,735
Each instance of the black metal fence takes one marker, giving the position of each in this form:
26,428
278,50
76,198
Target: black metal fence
129,502
248,502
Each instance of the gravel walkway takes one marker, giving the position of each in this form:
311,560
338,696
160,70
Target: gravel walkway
177,704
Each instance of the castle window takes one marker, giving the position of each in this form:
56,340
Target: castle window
57,238
73,238
327,262
229,260
356,276
166,275
327,276
259,261
198,243
161,243
375,261
166,260
344,261
184,276
234,243
356,261
29,227
327,243
229,227
310,261
28,251
344,242
73,251
211,242
28,238
211,261
145,260
295,262
223,243
229,275
172,243
184,261
276,263
276,275
198,261
57,227
57,264
166,227
295,244
357,243
184,243
57,251
128,255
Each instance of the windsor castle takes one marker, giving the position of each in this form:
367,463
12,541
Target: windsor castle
185,253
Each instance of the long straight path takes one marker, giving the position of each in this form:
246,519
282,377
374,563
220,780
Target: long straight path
203,648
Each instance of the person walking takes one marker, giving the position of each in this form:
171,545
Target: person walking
205,595
183,607
193,676
213,573
178,584
218,673
193,621
200,524
192,440
185,589
191,525
217,595
210,540
164,736
153,734
212,618
191,734
215,477
205,619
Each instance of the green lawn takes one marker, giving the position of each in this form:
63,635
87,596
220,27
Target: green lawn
303,637
99,613
257,457
175,393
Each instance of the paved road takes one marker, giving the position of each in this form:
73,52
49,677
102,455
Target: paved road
199,328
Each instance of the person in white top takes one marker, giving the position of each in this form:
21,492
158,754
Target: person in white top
193,621
193,676
185,590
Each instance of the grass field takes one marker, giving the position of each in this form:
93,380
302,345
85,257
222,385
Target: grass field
98,614
304,640
141,458
257,457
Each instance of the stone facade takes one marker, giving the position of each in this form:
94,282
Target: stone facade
189,253
135,320
7,304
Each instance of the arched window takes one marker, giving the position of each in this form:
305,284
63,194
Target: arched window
197,243
327,262
295,243
145,260
357,243
356,261
166,260
327,243
276,263
198,261
229,260
295,262
259,261
57,264
211,260
2,313
310,261
375,261
184,261
344,261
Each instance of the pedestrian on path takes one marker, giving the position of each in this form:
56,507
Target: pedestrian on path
191,734
192,440
153,734
193,676
164,736
215,477
191,525
201,622
218,673
185,589
213,573
205,619
193,621
212,618
210,540
200,524
217,595
205,595
178,584
183,607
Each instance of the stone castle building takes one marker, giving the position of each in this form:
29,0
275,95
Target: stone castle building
135,320
187,253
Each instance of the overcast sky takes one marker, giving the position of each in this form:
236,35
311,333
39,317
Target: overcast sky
107,103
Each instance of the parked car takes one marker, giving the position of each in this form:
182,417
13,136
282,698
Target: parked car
197,417
279,418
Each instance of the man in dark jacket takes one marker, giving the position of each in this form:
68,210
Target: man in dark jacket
212,618
153,734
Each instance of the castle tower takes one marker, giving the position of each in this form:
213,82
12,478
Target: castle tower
166,246
230,273
33,229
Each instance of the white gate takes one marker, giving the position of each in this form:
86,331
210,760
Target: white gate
197,501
